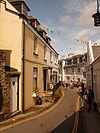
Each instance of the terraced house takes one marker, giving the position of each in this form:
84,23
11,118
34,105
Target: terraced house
32,61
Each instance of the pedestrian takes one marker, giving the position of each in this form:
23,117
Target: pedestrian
84,86
85,98
90,96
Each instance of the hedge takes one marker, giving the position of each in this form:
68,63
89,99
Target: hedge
57,94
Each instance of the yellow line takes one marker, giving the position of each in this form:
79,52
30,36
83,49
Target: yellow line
32,118
76,117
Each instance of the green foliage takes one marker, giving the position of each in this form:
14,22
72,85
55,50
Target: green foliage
57,94
36,89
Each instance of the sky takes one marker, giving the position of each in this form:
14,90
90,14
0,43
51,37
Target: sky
66,22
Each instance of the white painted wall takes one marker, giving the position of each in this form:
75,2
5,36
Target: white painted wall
53,63
96,88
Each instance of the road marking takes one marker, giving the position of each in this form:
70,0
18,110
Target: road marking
32,118
76,116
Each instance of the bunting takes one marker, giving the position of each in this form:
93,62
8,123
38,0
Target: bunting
81,41
50,30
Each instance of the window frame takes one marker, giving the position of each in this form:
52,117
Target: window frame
35,77
45,53
35,45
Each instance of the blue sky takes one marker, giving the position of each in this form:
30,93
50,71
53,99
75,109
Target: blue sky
69,20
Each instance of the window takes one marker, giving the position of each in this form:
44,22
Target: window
35,45
50,56
56,60
72,70
84,74
66,62
78,79
69,62
68,78
66,70
45,53
35,77
78,69
81,59
75,61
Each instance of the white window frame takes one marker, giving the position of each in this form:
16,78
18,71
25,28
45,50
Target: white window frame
45,52
35,45
35,77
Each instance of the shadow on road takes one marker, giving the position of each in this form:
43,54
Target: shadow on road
68,124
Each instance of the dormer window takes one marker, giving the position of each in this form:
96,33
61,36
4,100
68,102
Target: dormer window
48,39
20,6
34,22
43,33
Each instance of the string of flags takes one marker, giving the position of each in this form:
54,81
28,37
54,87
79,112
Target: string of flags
50,30
79,45
81,41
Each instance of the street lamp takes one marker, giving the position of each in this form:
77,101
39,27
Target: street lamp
96,16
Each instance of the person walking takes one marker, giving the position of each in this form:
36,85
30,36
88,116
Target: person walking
85,98
90,96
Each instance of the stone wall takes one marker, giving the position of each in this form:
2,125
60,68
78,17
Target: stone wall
4,88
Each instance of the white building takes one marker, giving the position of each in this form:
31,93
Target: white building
93,70
52,65
73,68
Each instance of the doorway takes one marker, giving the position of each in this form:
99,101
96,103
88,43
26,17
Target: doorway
44,79
14,94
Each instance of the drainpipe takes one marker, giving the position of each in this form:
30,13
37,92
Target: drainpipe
23,66
92,76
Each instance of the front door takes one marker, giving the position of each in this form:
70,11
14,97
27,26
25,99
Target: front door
44,78
14,88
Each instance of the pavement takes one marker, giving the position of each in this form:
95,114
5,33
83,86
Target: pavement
34,111
92,119
88,121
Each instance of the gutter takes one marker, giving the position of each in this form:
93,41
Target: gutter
23,62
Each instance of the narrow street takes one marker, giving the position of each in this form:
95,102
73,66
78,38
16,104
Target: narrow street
59,120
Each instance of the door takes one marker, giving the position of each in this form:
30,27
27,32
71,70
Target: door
14,88
44,79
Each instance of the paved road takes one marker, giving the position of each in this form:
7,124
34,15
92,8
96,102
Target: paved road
58,120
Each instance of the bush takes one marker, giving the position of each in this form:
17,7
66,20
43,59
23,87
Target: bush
36,89
57,94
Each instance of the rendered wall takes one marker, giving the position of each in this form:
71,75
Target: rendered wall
32,60
96,72
11,38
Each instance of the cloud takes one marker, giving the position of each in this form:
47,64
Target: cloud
82,35
85,17
65,19
72,5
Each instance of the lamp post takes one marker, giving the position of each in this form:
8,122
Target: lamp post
96,16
